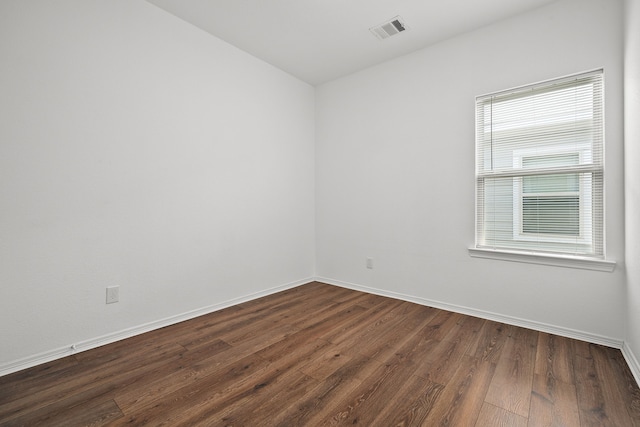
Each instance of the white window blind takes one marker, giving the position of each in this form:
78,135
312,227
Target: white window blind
539,168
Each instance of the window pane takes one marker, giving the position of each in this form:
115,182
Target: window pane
563,183
539,167
551,215
564,159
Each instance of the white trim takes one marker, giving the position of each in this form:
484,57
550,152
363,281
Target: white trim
529,324
584,194
563,79
50,355
59,353
545,259
632,361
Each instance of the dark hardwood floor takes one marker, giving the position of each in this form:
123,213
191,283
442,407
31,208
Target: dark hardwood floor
323,355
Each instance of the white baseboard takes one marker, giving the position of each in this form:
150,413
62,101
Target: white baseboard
632,361
61,352
530,324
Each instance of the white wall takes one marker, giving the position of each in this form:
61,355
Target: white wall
632,178
139,151
395,171
136,150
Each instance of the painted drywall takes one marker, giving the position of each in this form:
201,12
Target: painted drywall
139,151
395,171
632,177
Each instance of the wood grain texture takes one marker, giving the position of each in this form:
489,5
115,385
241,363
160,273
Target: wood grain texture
324,355
510,388
497,417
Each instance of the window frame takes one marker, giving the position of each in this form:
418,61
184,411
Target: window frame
596,261
584,197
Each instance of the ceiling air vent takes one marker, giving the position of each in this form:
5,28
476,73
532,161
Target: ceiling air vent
389,28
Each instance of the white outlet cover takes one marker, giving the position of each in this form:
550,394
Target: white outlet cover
113,294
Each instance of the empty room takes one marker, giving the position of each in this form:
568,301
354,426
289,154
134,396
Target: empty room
312,212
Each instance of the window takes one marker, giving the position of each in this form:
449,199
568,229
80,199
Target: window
550,205
539,168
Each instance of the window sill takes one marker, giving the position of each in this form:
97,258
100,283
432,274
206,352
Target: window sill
545,259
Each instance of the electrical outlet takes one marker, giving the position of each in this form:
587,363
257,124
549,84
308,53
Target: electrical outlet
113,294
370,263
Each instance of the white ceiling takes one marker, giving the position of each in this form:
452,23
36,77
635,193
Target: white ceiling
320,40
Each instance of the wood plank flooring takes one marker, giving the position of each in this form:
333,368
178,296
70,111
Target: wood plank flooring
323,355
